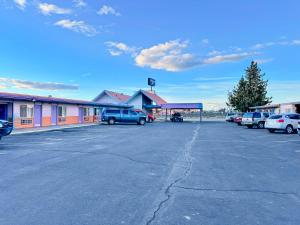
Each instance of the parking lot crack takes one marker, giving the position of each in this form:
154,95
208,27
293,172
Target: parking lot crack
238,190
175,175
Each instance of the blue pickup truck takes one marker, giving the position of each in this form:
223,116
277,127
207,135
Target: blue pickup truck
111,116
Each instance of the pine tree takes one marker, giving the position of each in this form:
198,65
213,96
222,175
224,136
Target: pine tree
250,91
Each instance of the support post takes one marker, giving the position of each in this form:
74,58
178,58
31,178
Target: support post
166,115
200,115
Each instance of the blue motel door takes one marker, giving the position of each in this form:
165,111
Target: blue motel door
37,115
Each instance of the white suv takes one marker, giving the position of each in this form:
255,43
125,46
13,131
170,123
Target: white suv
286,122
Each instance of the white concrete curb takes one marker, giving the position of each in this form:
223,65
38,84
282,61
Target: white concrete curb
45,129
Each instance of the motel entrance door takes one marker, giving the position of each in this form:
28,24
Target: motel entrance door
3,111
81,115
297,108
37,115
54,115
6,111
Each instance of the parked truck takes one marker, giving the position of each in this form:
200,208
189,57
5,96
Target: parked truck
111,116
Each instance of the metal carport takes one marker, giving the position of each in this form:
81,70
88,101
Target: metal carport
172,106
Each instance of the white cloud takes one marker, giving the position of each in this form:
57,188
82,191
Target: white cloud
275,43
24,84
216,78
215,52
106,10
228,57
118,48
167,56
48,9
79,3
296,42
263,61
171,56
21,3
205,41
77,26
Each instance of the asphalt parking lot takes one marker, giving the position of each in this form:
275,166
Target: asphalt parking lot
162,173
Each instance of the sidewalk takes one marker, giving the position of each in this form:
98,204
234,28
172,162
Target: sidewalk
51,128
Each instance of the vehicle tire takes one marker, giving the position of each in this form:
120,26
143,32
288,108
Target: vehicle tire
111,121
150,120
261,125
271,130
249,126
239,124
142,122
289,129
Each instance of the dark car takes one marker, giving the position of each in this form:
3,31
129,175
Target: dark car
5,128
111,116
176,117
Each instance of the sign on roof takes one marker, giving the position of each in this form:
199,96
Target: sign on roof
151,82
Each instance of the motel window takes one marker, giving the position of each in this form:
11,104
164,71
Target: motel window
86,111
62,111
26,111
96,111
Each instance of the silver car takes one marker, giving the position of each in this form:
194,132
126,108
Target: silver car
255,119
286,122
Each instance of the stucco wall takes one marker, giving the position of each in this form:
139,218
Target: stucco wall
17,108
46,110
137,102
287,108
72,110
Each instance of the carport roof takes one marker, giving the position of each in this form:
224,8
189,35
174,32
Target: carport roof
182,106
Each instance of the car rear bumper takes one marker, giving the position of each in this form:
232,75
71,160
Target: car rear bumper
248,123
274,126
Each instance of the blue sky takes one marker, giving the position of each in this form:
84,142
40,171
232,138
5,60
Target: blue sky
196,50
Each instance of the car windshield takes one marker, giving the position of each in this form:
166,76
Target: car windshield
275,117
248,115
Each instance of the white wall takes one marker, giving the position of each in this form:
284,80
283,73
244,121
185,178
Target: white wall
72,110
17,107
107,99
287,108
137,102
46,108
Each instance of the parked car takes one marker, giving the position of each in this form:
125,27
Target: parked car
255,119
230,117
111,116
150,117
286,122
238,119
299,128
177,117
5,128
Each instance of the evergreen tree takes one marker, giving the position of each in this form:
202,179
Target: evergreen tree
250,91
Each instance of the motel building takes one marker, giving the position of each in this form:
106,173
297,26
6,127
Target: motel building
28,111
290,107
147,101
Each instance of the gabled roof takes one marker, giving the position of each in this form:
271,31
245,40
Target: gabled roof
154,97
120,97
